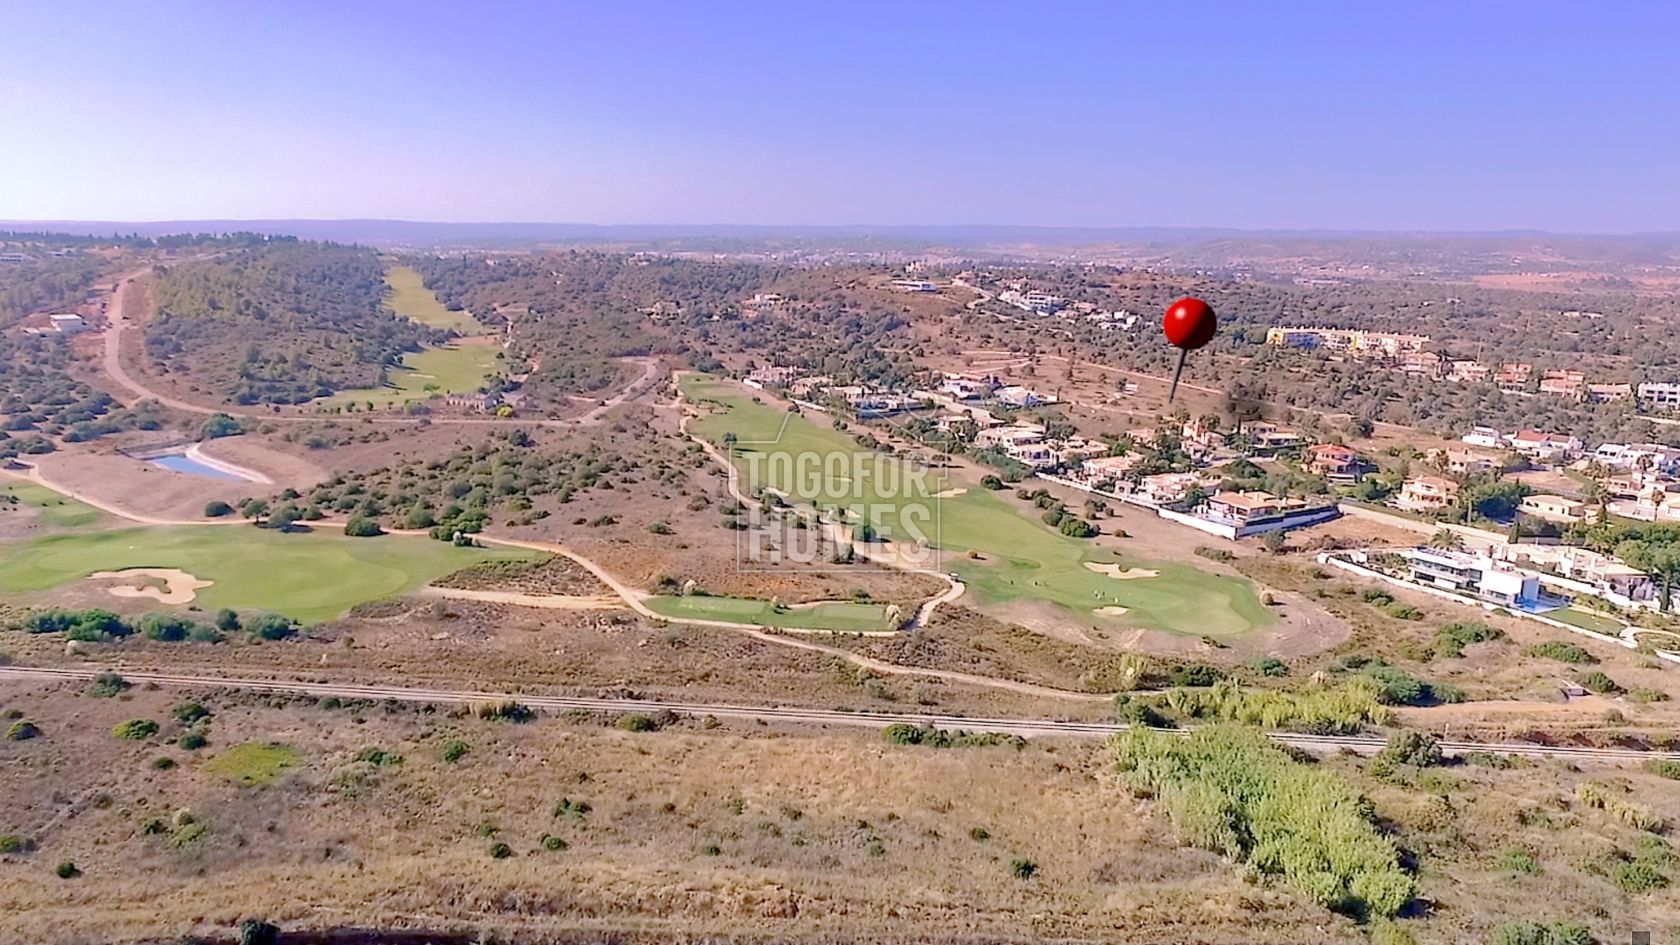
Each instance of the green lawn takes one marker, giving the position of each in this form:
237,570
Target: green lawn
251,763
1020,557
312,576
410,298
1585,619
452,369
832,615
56,510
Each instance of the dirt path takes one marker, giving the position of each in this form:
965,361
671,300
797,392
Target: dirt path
112,363
543,601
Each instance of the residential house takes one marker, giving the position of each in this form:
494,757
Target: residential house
1609,393
1335,462
1545,446
1017,396
1269,437
1563,383
1101,468
1425,363
1468,371
1484,436
1513,376
1638,456
68,324
1427,494
1657,395
1168,488
1243,507
1473,575
1557,508
969,386
767,376
1465,463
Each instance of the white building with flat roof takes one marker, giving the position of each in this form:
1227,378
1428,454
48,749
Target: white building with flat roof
69,324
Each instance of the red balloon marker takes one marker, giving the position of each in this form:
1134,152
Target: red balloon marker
1189,324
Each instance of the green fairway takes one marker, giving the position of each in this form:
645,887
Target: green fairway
312,576
456,368
829,615
56,510
410,298
1020,558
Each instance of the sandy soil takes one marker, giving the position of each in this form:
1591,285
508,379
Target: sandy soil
1119,573
179,587
138,485
284,467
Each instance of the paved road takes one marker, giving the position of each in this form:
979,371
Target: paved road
1026,728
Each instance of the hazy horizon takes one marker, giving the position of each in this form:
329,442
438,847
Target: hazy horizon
1314,117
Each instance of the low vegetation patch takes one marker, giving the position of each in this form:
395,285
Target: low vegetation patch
252,763
1560,651
1342,709
904,733
1229,790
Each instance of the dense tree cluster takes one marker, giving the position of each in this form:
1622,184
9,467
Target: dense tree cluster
280,324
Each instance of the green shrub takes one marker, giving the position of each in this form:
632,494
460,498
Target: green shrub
1612,801
379,757
979,834
170,628
163,762
135,729
12,843
106,685
258,932
67,870
1231,791
1664,768
500,851
1599,682
903,733
22,730
1341,710
712,849
635,722
505,710
1418,749
1269,666
1022,869
1534,933
573,810
189,712
362,527
192,741
1561,651
1517,860
1451,639
553,843
1638,876
271,626
217,509
454,750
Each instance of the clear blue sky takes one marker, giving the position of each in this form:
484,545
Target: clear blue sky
1457,115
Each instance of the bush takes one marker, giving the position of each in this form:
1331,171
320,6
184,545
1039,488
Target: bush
500,851
217,509
1451,639
12,843
1602,796
979,834
227,620
94,625
635,722
1214,554
992,482
1638,876
1517,860
1560,651
135,729
1534,933
1229,790
258,932
170,628
1598,682
379,757
1664,768
1022,869
106,685
572,810
903,733
454,750
67,870
189,712
271,626
193,741
362,527
1269,666
505,710
553,843
1418,749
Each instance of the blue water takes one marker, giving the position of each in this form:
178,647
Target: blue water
192,467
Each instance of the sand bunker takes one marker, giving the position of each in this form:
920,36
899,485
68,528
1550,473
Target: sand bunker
950,493
179,587
1121,574
1113,611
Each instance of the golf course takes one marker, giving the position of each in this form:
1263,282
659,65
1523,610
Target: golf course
459,367
998,548
312,576
54,510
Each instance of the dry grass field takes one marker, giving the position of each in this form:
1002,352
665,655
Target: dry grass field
302,813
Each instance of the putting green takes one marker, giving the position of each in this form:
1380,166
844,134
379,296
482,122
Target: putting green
1020,558
312,576
828,615
56,510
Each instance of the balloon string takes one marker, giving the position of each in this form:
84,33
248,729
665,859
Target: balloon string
1173,390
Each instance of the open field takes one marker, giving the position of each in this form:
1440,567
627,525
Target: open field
1586,620
456,368
1002,553
827,615
410,298
311,576
53,509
